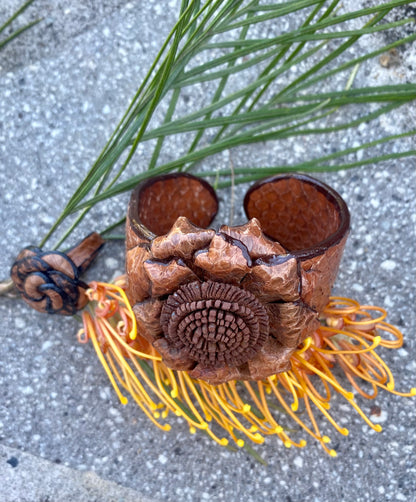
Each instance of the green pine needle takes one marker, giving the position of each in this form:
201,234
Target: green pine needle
20,30
262,108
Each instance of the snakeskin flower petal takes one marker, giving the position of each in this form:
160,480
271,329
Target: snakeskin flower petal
273,358
173,357
227,259
183,240
274,279
292,322
252,236
148,318
165,278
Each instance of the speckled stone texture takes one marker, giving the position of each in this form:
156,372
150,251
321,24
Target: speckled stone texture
63,86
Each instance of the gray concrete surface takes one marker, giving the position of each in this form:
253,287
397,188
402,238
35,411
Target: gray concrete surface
63,434
29,477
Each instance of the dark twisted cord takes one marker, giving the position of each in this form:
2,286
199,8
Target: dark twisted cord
49,281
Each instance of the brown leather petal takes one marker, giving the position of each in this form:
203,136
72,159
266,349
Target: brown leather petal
138,284
136,235
172,357
226,259
273,358
291,323
215,376
252,236
148,318
165,278
183,239
276,279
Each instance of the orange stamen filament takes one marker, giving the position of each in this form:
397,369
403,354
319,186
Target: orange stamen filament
111,325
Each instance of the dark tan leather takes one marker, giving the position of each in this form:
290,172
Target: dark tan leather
286,257
49,281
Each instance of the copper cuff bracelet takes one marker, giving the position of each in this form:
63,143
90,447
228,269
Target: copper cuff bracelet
232,304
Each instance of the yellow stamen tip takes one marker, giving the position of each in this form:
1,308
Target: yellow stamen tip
377,339
288,444
246,408
302,443
174,393
258,437
132,336
240,443
268,390
378,428
326,439
223,442
156,414
178,413
349,396
123,400
333,453
204,426
253,428
165,414
294,406
413,391
192,430
278,429
390,386
345,431
167,427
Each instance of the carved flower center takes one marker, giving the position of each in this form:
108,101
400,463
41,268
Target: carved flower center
216,324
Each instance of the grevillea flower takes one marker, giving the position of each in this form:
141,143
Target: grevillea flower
347,338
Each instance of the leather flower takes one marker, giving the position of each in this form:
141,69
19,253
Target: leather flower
232,304
221,305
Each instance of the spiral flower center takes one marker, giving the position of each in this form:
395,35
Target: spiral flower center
215,324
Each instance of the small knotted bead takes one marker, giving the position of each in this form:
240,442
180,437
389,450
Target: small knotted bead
49,281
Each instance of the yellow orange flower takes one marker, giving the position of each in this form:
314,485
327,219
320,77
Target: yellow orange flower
348,337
